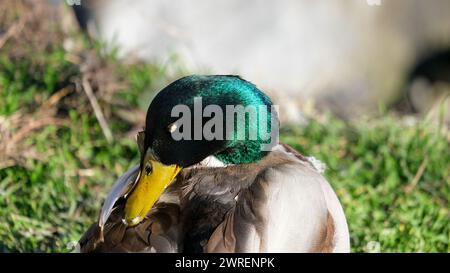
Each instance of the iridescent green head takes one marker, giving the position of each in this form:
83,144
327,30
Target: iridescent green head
198,116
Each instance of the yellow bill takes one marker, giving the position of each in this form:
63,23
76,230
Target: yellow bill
153,179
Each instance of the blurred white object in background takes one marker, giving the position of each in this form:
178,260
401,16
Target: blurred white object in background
346,55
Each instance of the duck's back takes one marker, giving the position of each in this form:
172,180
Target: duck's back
289,207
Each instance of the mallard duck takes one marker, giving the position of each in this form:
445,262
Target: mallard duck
218,195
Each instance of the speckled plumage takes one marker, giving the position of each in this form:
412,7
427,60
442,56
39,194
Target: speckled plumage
281,204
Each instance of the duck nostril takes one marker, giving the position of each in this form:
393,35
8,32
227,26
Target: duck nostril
148,169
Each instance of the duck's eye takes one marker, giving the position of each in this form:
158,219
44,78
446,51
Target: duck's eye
148,168
172,127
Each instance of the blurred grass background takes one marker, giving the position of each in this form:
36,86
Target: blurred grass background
391,173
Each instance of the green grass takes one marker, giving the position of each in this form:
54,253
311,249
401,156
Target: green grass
49,203
48,200
373,166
